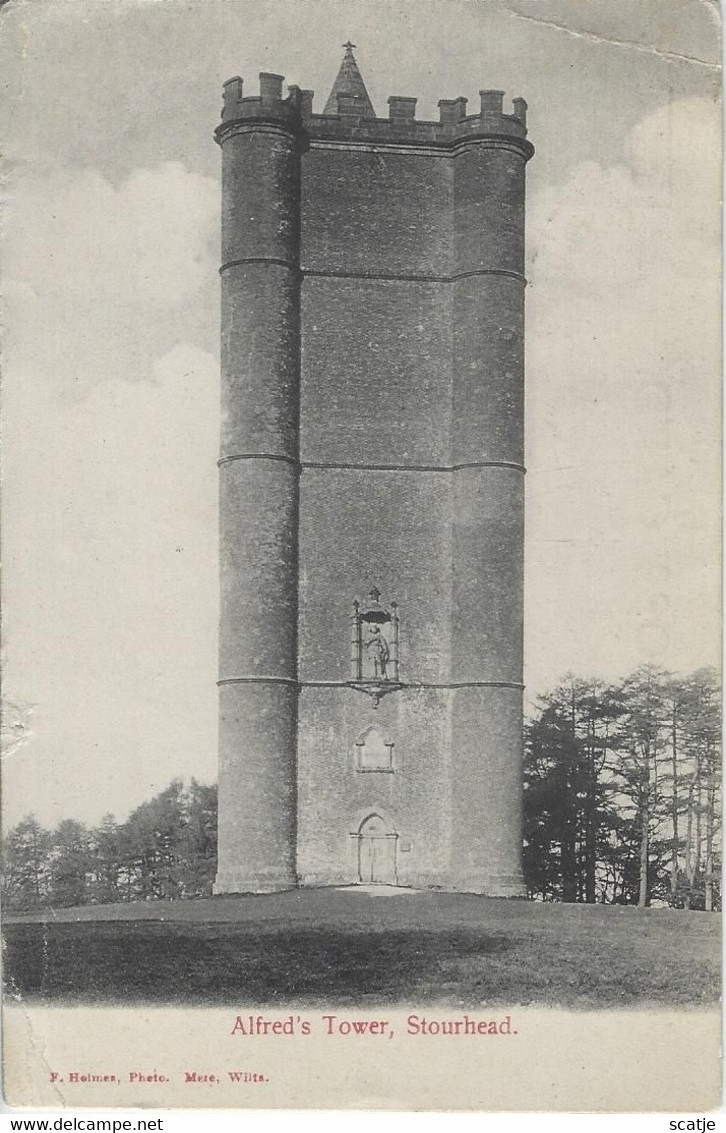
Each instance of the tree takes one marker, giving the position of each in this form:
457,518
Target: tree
169,844
702,756
622,791
641,753
153,834
198,842
675,698
108,849
166,849
69,864
567,804
25,865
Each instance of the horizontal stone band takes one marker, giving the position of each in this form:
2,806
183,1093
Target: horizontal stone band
259,456
413,277
427,147
233,127
414,467
320,273
245,260
318,465
258,681
346,684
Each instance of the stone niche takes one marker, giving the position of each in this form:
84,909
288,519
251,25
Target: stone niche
374,647
373,752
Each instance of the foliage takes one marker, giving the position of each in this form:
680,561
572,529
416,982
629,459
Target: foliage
25,865
622,791
166,849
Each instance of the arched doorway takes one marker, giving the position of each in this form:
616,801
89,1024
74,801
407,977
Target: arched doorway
376,852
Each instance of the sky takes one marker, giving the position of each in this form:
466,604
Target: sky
110,244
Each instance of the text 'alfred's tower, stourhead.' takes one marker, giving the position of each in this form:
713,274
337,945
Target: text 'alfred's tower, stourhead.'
371,491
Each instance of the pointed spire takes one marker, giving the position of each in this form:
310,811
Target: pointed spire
350,82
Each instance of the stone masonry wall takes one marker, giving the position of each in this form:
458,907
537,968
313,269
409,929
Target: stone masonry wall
375,390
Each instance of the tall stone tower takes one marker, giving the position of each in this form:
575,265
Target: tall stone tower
371,491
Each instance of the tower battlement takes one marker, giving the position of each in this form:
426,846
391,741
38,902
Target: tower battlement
268,105
352,119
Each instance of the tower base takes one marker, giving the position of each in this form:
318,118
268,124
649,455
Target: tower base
495,885
264,881
272,881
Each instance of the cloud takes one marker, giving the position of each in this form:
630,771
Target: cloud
111,592
109,499
76,237
623,403
100,277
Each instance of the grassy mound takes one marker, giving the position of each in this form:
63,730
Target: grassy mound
337,947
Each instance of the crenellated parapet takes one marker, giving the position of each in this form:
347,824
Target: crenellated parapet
269,106
402,126
353,123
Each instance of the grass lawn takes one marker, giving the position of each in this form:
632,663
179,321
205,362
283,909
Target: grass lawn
336,947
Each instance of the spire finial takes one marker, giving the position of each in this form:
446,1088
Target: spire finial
349,46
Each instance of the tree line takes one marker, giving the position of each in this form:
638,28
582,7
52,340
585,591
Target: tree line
622,790
167,848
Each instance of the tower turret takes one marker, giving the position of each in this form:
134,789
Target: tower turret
261,140
488,497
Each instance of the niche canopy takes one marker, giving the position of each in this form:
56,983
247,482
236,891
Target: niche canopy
374,647
372,611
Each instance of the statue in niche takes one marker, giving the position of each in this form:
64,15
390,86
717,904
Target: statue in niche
374,647
379,651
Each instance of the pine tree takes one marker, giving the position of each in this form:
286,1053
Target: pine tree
198,843
154,833
639,761
70,865
567,807
107,846
25,865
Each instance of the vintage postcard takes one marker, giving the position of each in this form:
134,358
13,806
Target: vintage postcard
361,418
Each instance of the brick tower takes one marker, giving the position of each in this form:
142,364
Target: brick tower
371,491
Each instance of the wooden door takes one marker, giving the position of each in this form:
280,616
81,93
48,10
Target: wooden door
376,853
